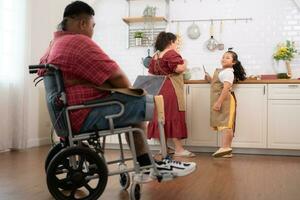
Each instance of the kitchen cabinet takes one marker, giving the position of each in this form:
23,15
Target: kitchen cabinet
251,126
251,119
198,116
267,117
283,116
114,140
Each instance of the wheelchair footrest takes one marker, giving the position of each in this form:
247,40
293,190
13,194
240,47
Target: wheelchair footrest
165,177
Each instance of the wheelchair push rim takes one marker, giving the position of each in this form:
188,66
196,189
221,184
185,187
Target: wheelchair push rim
55,149
79,168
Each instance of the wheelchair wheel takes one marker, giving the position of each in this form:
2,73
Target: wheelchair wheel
84,181
52,152
135,191
124,180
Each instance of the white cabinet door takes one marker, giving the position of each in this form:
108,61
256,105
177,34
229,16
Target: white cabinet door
198,116
284,124
251,119
114,139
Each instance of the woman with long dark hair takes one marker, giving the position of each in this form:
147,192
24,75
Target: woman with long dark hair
168,62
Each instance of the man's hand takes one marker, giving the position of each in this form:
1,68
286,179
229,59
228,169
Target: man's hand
119,80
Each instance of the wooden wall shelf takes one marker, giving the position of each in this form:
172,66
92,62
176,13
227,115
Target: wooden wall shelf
130,20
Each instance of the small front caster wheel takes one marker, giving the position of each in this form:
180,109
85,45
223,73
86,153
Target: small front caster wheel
135,191
124,180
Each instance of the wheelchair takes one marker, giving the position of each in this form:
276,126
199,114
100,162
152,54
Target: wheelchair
76,167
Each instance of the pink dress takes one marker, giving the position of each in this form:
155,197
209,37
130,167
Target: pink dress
175,125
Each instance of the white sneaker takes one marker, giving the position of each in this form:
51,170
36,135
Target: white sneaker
177,168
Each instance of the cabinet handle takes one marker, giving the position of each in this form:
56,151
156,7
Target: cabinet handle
188,89
293,86
264,90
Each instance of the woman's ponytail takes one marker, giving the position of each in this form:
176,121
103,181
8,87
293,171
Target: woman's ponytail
239,72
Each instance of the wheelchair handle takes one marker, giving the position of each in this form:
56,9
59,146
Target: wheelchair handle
33,71
37,66
41,66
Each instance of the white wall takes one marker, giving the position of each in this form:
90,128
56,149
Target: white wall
273,21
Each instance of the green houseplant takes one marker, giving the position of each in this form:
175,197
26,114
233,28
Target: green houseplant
138,35
286,52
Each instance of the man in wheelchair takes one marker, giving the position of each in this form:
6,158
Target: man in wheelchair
84,65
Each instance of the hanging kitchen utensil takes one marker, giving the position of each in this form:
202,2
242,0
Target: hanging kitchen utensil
204,69
220,44
193,31
147,60
212,43
178,35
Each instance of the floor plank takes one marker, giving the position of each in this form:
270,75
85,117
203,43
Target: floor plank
244,177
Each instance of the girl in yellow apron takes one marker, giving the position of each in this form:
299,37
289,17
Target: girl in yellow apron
223,101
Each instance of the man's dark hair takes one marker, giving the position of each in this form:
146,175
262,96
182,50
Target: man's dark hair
75,9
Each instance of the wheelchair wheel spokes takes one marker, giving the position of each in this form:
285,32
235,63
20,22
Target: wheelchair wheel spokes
85,174
61,176
92,170
81,160
65,164
61,170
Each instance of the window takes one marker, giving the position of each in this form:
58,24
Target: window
12,39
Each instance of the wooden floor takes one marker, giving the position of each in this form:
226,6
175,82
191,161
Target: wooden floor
244,177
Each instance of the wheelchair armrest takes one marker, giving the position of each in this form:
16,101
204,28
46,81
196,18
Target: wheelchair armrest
99,103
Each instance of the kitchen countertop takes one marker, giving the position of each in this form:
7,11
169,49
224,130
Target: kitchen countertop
273,81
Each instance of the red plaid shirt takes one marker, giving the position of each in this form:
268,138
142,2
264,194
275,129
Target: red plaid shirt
79,58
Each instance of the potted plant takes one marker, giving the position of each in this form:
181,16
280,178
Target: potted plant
285,52
138,38
149,11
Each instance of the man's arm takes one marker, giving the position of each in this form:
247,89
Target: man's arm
96,67
119,80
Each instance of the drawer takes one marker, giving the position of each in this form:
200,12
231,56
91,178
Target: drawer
284,91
